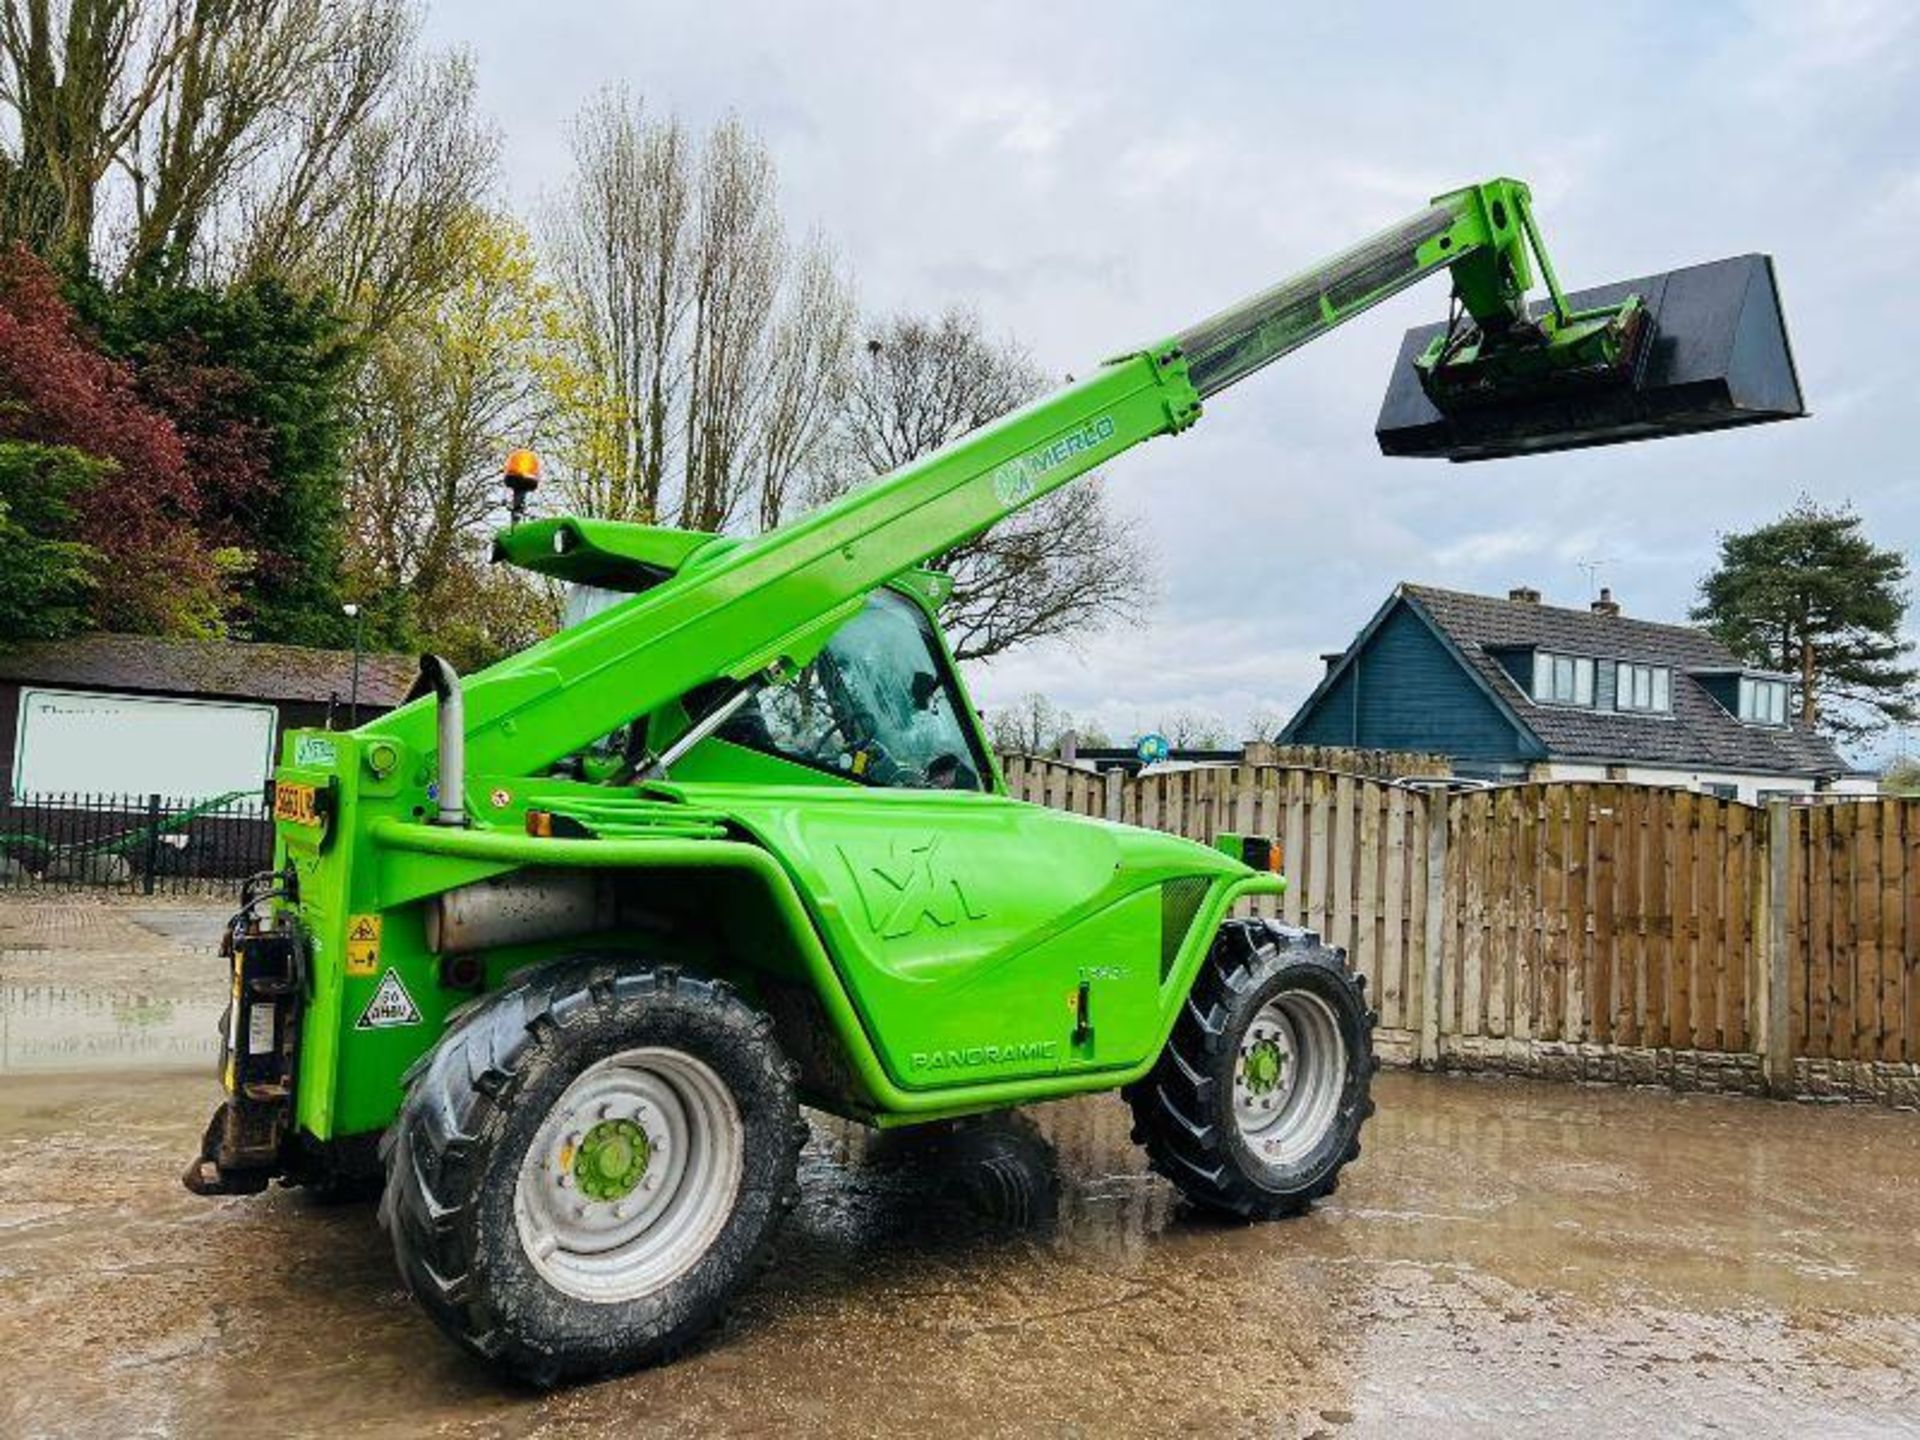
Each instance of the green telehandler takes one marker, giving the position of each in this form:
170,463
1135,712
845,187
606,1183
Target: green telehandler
562,947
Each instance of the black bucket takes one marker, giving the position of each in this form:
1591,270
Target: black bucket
1719,358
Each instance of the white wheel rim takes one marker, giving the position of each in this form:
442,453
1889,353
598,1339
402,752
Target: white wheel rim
1288,1077
641,1231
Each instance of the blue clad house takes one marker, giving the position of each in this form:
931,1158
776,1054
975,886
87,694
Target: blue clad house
1514,689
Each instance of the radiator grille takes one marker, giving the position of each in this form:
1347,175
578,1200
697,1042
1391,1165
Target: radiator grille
1180,900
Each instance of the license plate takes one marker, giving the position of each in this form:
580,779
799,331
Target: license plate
298,804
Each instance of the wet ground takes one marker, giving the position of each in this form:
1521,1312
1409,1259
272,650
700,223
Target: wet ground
1508,1259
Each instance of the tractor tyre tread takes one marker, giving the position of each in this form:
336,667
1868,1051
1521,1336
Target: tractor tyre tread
1183,1107
458,1140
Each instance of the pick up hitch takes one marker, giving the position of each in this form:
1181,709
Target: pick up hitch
242,1148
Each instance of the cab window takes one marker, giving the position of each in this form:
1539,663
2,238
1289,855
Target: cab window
877,705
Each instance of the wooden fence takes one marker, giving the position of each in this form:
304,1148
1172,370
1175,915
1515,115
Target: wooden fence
1595,931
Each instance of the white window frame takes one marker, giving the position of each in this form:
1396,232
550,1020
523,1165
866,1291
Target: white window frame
1763,701
1563,679
1634,679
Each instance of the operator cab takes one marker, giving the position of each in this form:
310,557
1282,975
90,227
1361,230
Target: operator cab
879,706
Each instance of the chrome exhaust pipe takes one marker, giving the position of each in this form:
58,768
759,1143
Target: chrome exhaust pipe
451,787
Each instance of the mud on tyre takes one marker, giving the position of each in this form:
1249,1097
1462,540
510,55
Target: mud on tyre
590,1165
1256,1103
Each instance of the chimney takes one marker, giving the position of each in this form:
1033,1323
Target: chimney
1606,604
1331,658
1524,594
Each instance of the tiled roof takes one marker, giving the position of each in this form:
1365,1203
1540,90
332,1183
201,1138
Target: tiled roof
227,668
1699,732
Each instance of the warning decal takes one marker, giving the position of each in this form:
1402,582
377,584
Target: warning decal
363,945
390,1006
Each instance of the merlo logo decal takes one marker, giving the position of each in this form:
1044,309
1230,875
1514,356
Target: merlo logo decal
908,889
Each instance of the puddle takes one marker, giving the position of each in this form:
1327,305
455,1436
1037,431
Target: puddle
1028,1275
63,1027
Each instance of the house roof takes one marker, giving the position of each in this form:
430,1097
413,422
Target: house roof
1699,732
227,668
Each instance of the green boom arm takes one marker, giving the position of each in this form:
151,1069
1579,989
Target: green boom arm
740,611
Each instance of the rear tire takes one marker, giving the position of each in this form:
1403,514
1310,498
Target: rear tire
589,1167
1257,1101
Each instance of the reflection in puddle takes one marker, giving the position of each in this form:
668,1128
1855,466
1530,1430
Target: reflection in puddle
1066,1176
1000,1168
70,1027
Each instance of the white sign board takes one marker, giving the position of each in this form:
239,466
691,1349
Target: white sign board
81,742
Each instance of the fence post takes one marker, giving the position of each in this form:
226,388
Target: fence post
1433,951
1773,992
1114,779
153,844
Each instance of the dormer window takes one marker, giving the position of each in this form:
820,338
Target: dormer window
1763,702
1562,679
1644,688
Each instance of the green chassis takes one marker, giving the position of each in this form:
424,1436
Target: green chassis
966,951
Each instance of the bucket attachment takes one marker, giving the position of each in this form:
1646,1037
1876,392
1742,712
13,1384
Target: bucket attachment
1702,348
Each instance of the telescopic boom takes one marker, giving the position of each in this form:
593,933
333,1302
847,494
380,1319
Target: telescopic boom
747,612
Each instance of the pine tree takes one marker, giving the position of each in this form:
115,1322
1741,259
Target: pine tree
1810,594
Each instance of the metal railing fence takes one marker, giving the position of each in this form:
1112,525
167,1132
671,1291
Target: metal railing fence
133,844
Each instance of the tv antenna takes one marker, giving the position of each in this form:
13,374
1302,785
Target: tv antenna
1593,569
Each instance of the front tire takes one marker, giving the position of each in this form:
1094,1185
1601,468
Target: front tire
589,1166
1257,1101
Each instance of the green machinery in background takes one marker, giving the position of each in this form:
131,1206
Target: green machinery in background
572,939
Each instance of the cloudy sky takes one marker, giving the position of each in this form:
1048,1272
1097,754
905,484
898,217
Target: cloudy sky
1097,176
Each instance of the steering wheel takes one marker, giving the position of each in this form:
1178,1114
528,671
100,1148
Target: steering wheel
959,775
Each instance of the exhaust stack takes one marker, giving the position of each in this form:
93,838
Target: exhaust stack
437,676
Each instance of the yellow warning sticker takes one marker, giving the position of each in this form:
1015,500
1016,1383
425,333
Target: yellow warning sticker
363,945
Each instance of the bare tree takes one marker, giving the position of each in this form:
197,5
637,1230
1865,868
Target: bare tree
807,370
1264,722
239,69
736,262
708,349
1063,565
1032,725
81,79
374,185
616,245
200,134
286,212
1193,730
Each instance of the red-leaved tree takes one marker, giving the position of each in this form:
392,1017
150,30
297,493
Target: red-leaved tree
57,389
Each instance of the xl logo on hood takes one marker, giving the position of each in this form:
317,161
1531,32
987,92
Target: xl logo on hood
908,888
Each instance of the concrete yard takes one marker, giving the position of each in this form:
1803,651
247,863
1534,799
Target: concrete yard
1507,1259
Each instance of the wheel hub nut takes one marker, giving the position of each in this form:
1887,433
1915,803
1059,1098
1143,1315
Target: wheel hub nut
611,1159
1264,1064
